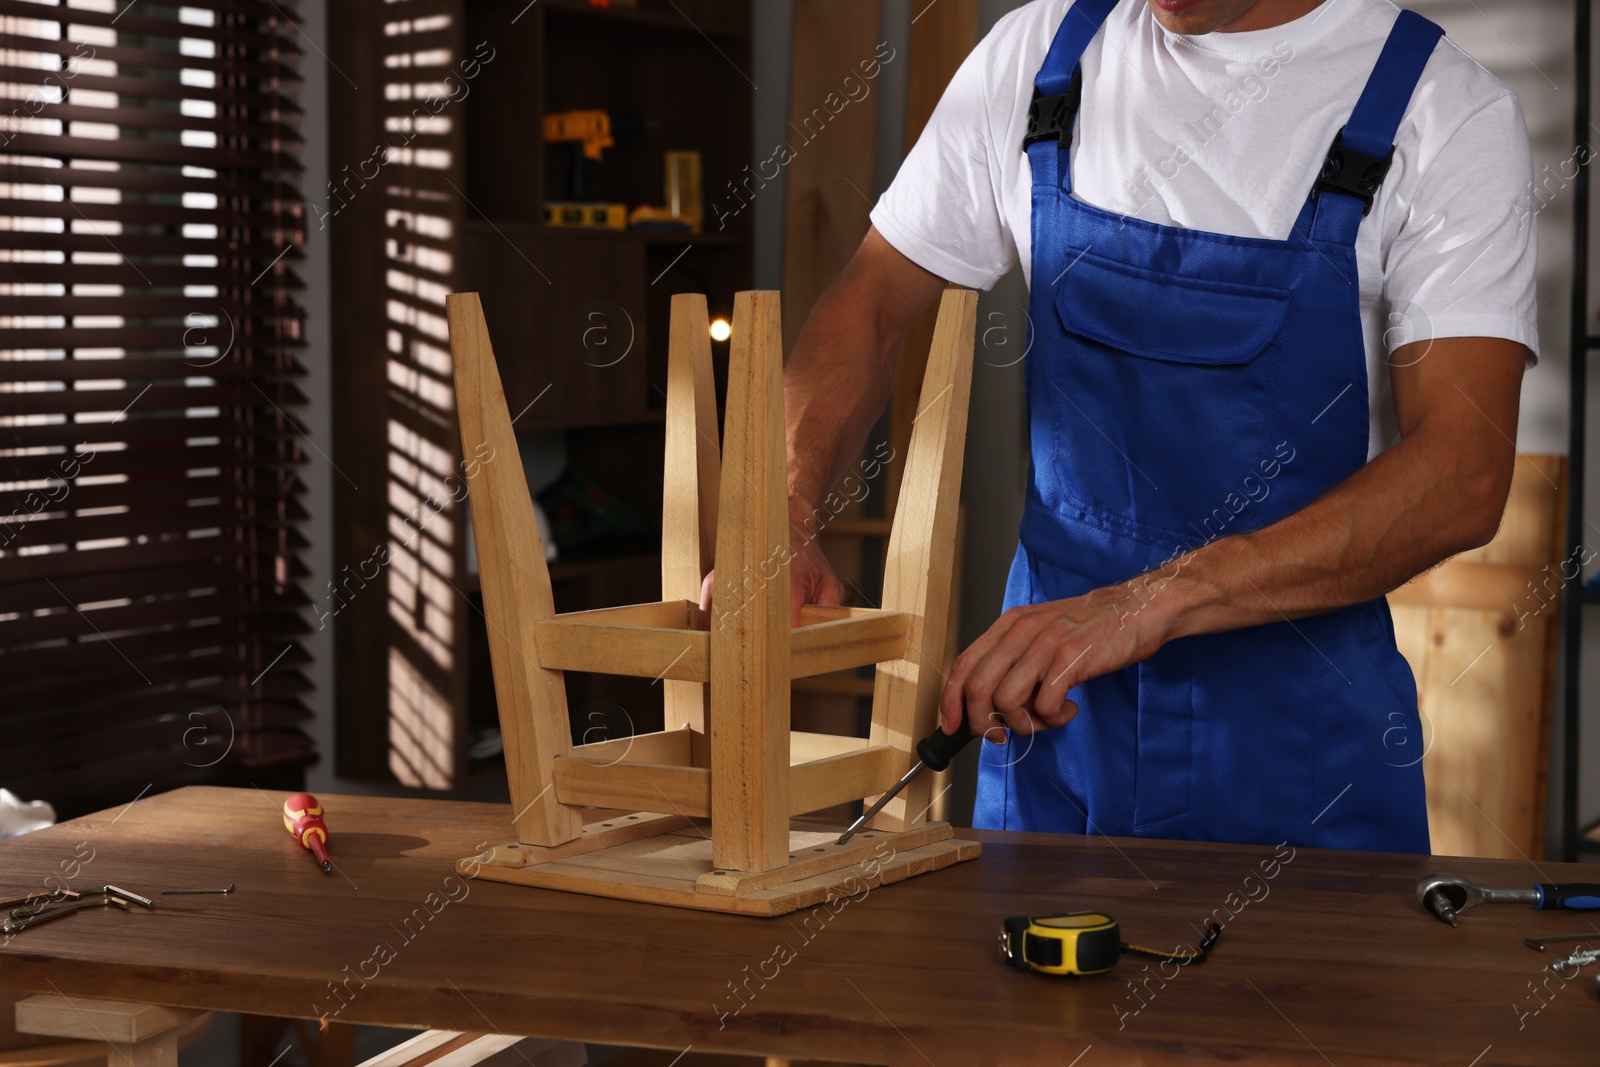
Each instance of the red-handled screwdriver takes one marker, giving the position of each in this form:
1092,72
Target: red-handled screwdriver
302,817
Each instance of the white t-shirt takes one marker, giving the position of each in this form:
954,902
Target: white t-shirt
1226,132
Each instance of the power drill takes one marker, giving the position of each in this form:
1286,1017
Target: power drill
589,134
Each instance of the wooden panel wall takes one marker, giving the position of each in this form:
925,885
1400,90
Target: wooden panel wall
833,139
941,38
1480,634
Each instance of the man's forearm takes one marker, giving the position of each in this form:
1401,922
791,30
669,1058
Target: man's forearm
1412,507
834,389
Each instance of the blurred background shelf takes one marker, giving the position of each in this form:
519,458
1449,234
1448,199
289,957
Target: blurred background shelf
579,321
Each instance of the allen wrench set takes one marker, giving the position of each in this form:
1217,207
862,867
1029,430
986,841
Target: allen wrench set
39,908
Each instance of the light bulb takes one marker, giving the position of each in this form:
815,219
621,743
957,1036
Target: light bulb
720,330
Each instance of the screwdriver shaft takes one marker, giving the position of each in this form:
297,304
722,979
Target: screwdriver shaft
916,769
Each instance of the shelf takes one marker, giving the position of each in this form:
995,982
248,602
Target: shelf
639,21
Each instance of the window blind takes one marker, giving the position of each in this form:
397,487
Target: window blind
150,450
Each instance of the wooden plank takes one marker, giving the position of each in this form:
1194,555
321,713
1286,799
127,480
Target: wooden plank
921,557
581,968
942,35
679,857
942,802
1469,584
671,747
689,791
452,1048
606,642
602,833
516,584
750,604
666,615
1480,635
805,747
1482,693
633,786
820,857
859,641
831,181
652,874
568,644
86,1019
811,614
505,1050
844,777
421,1049
56,1054
833,142
690,488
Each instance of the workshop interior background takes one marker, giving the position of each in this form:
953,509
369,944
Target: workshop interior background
340,643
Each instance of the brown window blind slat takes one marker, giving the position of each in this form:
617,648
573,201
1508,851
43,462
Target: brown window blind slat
147,214
144,368
155,151
145,274
28,172
159,60
127,20
34,596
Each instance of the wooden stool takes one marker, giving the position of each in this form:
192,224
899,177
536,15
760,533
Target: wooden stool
739,766
447,1048
131,1035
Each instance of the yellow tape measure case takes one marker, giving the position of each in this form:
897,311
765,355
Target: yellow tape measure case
1078,942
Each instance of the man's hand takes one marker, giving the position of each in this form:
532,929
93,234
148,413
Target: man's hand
835,386
811,577
1016,676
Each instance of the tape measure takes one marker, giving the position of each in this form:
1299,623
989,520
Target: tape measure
1082,942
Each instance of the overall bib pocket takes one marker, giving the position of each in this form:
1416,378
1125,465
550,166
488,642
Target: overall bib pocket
1161,391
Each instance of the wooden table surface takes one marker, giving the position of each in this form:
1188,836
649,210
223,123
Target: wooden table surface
1325,958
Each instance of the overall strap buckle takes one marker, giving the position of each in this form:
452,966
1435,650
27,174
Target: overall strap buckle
1354,173
1052,116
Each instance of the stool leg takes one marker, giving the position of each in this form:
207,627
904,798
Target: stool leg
917,568
750,605
690,487
516,584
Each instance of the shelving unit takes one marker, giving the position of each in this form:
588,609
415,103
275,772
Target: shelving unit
578,317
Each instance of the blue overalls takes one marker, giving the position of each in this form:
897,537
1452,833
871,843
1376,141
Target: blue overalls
1185,385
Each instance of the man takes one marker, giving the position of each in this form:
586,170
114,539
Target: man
1257,400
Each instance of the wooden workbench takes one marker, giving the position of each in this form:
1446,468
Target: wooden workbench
1327,960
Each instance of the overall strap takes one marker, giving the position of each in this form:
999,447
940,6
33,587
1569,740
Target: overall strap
1361,152
1057,92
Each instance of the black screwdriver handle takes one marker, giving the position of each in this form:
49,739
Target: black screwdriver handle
1568,896
939,748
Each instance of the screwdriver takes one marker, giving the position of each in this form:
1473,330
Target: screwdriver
935,752
302,817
